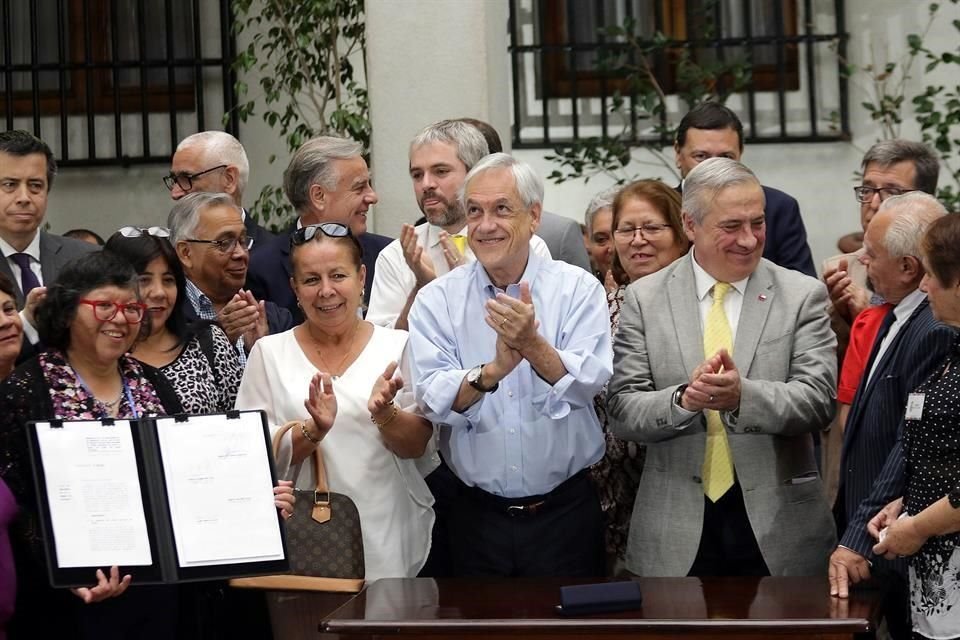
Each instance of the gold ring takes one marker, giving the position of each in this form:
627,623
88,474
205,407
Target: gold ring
503,322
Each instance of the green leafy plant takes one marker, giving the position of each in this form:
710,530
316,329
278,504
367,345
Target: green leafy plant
642,105
306,51
936,107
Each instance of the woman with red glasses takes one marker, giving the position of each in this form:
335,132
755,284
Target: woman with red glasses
90,319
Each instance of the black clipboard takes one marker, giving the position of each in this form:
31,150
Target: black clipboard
166,566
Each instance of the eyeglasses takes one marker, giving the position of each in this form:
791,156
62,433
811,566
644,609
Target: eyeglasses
185,180
648,231
864,194
227,245
136,232
106,310
329,229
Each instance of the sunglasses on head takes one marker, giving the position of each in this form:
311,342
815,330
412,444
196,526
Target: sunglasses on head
136,232
330,229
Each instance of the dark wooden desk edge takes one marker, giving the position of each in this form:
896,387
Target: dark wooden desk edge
546,625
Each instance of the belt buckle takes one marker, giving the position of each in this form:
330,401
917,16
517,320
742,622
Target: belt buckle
520,510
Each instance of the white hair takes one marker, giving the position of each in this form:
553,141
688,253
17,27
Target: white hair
219,147
707,179
912,213
528,184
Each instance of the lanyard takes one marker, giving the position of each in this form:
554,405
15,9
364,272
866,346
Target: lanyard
126,391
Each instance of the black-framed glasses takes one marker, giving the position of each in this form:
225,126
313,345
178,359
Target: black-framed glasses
185,180
136,232
864,194
227,245
649,230
107,310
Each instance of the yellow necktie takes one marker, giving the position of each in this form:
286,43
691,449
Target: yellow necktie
717,461
460,242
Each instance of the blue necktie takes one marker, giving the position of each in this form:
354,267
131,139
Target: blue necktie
28,279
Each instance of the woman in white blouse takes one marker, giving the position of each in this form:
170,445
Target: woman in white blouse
336,375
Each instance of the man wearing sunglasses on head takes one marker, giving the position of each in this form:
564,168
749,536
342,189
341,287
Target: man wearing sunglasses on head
214,249
327,180
33,258
215,162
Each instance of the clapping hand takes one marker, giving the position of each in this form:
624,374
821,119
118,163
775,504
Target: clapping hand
321,403
385,389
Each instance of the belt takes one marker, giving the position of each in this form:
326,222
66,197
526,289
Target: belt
529,505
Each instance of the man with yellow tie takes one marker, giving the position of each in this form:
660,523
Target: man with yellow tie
440,157
725,364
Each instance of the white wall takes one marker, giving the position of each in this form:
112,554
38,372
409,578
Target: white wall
434,59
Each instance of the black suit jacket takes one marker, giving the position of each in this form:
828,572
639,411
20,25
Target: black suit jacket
786,243
871,462
268,276
55,252
260,235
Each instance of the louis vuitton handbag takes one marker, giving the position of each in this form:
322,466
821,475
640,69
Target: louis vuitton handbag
323,539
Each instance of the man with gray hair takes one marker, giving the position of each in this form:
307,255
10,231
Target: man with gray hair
598,218
890,168
213,247
909,346
725,365
507,354
215,162
327,180
440,157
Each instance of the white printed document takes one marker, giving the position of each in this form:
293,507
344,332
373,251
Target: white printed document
93,488
217,472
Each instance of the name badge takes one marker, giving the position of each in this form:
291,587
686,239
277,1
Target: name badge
914,406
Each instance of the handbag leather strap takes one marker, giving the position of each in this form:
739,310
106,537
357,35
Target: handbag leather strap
321,496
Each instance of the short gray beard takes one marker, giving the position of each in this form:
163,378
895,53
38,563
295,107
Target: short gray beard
453,215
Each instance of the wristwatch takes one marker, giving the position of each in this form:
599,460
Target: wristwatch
473,379
678,395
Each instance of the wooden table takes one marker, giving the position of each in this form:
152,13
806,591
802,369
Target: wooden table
525,608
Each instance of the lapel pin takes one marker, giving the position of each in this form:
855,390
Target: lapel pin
761,297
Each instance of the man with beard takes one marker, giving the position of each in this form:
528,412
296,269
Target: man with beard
440,157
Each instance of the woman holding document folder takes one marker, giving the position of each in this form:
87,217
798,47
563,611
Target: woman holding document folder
90,319
334,376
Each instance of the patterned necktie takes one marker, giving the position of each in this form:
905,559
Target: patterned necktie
717,461
460,241
28,279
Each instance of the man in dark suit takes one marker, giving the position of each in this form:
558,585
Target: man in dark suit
327,180
908,347
216,162
213,247
32,258
711,130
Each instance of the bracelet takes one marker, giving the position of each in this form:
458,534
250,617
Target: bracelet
306,433
393,414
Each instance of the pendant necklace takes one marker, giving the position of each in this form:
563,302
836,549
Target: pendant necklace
336,376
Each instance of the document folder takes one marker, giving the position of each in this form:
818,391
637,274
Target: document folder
168,499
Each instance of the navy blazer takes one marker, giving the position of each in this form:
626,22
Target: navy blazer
871,462
261,237
786,243
268,276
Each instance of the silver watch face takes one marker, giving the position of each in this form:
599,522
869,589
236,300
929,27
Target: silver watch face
473,376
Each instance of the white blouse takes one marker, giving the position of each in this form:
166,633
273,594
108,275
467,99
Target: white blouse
394,502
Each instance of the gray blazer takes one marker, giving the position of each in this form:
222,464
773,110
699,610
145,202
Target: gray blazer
55,252
564,239
786,355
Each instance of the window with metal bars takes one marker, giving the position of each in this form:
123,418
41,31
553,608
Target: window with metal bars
115,82
563,91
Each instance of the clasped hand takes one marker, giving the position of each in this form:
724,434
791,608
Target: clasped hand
515,323
385,389
244,316
714,385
